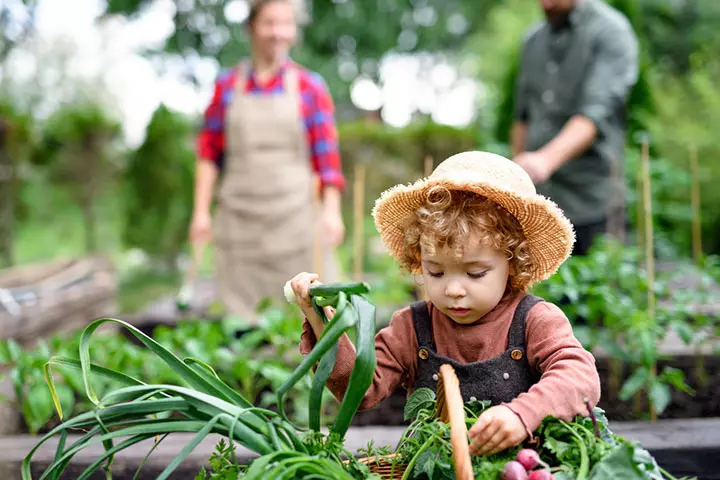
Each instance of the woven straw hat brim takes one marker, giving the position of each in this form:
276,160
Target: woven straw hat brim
548,232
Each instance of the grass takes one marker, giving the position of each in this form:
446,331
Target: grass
55,228
142,288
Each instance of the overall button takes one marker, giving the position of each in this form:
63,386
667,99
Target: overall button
423,353
506,375
548,97
435,377
516,354
552,68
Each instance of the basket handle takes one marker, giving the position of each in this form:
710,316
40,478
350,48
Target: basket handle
451,409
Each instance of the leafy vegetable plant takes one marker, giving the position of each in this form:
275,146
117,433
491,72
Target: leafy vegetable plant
203,404
584,449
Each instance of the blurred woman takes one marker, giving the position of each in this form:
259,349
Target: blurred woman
269,135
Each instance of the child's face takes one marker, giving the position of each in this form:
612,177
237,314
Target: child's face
468,287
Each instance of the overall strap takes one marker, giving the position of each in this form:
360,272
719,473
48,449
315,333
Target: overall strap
516,336
422,324
291,81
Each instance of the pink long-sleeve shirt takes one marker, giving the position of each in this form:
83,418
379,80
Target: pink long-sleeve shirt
568,371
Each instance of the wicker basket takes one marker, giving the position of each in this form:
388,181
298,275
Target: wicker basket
450,409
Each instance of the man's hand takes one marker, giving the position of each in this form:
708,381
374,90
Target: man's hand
497,428
536,164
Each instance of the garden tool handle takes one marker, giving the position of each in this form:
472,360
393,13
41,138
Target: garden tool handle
184,296
451,409
198,248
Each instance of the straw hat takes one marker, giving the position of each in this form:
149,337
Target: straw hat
548,232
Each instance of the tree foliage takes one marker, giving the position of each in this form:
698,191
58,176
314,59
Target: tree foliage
16,24
159,188
343,39
16,144
77,153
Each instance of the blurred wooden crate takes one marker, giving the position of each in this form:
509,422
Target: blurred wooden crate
37,300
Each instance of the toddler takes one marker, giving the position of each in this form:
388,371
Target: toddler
480,237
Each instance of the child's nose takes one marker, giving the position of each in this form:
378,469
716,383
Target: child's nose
454,289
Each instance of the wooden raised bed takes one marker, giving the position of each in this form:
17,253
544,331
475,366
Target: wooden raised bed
40,299
683,447
703,404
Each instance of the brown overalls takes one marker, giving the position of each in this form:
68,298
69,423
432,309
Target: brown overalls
263,229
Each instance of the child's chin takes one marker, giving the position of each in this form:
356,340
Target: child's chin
467,320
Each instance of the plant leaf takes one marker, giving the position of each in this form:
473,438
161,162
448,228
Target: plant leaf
633,384
422,398
660,396
617,464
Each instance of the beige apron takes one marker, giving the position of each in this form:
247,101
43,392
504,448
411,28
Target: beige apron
263,227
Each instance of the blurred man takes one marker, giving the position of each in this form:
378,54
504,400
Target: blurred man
577,69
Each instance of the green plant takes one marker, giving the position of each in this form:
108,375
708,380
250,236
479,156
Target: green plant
581,449
16,146
222,464
256,364
77,151
32,397
202,403
159,186
609,289
351,312
684,120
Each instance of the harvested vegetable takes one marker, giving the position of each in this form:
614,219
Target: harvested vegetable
529,459
352,312
567,450
514,471
540,475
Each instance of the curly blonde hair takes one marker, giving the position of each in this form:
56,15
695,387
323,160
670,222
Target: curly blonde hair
449,217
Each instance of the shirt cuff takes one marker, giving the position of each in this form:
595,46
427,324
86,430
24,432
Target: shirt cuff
307,339
527,415
332,178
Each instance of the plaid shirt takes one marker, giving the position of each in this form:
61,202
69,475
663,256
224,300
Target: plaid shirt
318,112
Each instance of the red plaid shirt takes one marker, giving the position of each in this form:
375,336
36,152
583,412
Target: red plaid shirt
318,113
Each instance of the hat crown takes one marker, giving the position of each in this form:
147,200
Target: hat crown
487,168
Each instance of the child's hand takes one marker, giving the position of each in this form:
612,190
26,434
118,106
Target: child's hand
301,284
496,429
301,288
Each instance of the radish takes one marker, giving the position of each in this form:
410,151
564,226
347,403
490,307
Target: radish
529,459
541,475
514,471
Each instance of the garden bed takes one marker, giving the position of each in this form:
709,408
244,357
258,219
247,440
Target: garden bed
683,447
704,403
50,297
